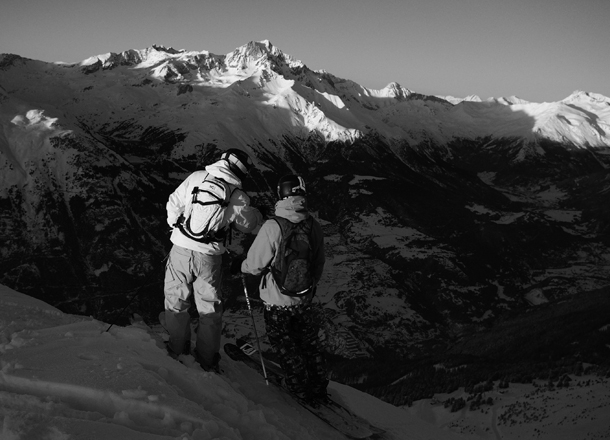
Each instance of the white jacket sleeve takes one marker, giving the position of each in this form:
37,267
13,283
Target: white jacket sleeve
176,203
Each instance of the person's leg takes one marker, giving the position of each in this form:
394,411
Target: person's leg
208,338
279,326
317,376
206,287
178,290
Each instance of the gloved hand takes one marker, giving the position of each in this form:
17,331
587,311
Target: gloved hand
179,221
236,264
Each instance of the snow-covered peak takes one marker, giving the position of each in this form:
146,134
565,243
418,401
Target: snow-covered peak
165,61
154,54
258,53
395,90
266,77
586,97
473,98
105,61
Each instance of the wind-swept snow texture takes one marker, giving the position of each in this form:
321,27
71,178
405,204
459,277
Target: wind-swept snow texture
67,377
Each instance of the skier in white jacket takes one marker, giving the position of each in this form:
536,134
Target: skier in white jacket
194,268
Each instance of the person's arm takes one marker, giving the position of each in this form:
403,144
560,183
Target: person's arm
263,249
176,202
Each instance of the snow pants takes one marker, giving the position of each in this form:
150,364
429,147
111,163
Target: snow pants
190,274
293,333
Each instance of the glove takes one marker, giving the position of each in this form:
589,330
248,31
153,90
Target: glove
179,221
236,264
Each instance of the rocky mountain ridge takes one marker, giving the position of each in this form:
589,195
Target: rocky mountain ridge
438,216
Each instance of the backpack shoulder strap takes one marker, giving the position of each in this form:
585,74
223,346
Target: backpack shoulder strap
227,191
282,223
308,222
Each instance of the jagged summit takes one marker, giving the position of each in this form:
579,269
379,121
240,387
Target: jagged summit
397,91
261,53
256,49
169,50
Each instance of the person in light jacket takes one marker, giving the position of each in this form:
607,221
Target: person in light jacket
290,321
194,268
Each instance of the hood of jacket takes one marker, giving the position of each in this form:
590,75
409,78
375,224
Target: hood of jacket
293,208
220,169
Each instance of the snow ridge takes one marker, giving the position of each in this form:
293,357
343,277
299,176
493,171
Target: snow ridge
339,109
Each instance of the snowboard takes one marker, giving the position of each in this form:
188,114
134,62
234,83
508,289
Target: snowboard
331,412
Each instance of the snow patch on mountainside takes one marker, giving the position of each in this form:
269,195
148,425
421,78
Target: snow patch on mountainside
563,215
27,139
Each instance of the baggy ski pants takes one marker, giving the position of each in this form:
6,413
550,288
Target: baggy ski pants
191,274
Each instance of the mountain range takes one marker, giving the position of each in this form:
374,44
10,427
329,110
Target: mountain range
445,218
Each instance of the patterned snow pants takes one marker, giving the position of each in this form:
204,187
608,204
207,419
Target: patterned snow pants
293,333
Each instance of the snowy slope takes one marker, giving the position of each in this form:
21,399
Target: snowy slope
65,376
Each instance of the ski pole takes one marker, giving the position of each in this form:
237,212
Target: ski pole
258,343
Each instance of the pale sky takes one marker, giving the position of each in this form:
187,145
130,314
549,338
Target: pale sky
538,50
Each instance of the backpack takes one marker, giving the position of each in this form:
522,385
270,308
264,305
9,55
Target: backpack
205,211
292,268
